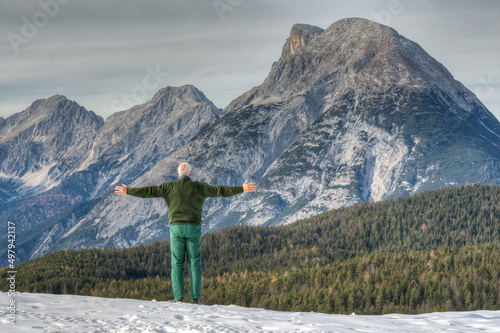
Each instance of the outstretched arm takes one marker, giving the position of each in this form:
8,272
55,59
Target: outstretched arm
249,187
121,190
143,192
211,191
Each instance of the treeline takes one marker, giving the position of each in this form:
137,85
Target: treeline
448,279
455,216
434,251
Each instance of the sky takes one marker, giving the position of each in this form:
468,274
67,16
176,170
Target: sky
108,55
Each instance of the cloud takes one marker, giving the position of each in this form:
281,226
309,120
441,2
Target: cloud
95,51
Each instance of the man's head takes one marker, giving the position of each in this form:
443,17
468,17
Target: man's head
184,170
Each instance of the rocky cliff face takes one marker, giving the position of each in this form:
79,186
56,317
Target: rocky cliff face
39,148
352,113
41,144
133,141
59,154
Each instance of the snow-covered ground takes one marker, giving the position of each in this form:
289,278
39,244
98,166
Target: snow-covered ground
67,313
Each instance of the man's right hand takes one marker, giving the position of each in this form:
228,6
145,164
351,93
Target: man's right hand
121,190
249,187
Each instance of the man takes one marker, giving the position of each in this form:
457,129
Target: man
185,199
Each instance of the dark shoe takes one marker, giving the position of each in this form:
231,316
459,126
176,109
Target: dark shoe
175,301
196,301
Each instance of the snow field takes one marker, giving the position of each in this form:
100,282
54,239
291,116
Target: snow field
69,313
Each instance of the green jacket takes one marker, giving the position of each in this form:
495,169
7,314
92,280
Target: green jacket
184,197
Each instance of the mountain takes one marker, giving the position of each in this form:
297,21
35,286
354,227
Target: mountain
352,113
116,151
133,141
349,114
39,148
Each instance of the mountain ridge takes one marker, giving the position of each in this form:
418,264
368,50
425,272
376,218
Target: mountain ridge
114,151
329,86
348,114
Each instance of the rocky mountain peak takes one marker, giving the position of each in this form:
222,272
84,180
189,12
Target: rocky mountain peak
188,94
361,27
54,105
335,59
185,92
40,144
358,56
45,114
56,99
300,35
135,139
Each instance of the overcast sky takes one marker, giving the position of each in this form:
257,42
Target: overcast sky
108,55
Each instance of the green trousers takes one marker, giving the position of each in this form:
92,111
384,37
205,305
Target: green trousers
185,241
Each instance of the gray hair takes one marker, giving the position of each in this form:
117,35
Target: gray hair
184,169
